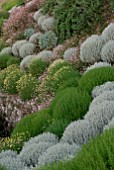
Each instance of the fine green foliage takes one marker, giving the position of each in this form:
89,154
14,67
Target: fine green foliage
15,142
74,16
72,104
35,123
2,167
2,44
26,86
11,3
6,60
96,77
37,67
3,15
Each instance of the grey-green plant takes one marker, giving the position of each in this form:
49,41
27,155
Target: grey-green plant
108,33
8,153
25,62
41,19
35,37
26,49
48,24
107,86
58,152
7,50
109,125
37,14
16,47
31,153
44,137
90,49
48,40
70,53
44,55
107,52
29,32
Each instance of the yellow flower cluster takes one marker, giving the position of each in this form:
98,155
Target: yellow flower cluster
56,62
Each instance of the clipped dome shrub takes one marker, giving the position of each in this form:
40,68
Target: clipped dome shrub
70,54
58,152
35,37
16,47
7,50
44,137
96,77
37,66
108,86
26,49
91,48
30,154
71,104
107,52
25,62
48,40
26,86
108,33
78,132
38,14
34,123
48,24
96,65
12,163
44,55
41,19
29,32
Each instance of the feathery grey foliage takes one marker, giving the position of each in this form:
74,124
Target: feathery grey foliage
78,132
96,65
11,163
48,24
25,62
37,15
58,152
26,49
110,125
34,38
8,153
7,50
44,55
108,86
91,48
30,154
108,33
44,137
16,47
41,19
70,53
107,52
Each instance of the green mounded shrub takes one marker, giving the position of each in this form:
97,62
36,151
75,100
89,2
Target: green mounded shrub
26,86
37,67
2,167
11,3
72,104
14,142
57,127
96,77
49,5
3,15
2,44
35,123
6,60
73,16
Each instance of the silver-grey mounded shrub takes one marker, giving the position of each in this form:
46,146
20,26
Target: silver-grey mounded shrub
100,115
48,40
96,65
108,33
16,47
41,19
26,49
44,55
107,52
30,154
12,163
44,137
78,132
70,53
105,96
29,32
108,86
58,152
91,48
37,15
48,24
110,125
35,37
25,62
7,50
8,153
